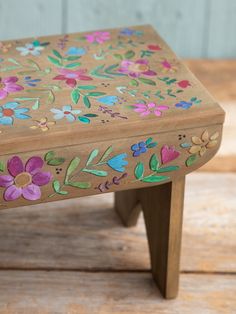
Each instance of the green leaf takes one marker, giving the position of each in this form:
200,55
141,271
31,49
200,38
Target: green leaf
33,63
111,68
98,72
57,54
168,169
54,61
191,160
2,166
80,185
84,119
75,95
86,102
118,56
107,152
147,81
57,188
154,162
36,105
49,155
99,173
90,115
51,97
71,168
129,54
155,179
133,82
71,58
95,94
86,87
73,65
139,170
56,161
92,155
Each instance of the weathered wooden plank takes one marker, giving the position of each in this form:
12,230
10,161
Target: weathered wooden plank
29,18
117,293
86,233
182,30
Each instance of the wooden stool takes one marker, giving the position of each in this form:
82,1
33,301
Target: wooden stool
106,111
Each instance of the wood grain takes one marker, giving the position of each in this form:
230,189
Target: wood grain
86,233
106,293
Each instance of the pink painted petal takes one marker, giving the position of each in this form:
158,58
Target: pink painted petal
126,63
15,166
11,88
42,178
34,164
162,107
3,94
134,74
149,73
157,112
142,61
81,71
6,181
12,193
145,113
140,109
71,82
123,70
90,38
59,77
31,192
10,79
85,78
64,71
151,105
140,105
168,153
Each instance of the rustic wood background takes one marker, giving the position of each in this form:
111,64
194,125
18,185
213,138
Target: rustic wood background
194,29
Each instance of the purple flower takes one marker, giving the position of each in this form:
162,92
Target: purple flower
24,180
8,85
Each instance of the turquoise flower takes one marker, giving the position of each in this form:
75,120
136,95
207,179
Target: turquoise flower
76,51
117,162
108,100
10,110
66,112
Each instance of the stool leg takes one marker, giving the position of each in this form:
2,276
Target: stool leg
163,207
128,207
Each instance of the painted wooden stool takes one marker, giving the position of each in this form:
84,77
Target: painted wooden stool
104,111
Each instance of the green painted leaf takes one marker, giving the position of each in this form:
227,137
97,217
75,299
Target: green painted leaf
118,56
71,168
99,173
86,102
139,170
71,58
155,179
147,81
54,61
95,94
33,63
56,161
83,119
129,54
107,152
111,68
80,185
2,166
168,169
57,54
57,188
133,82
92,155
98,72
73,65
86,87
75,95
154,163
90,115
191,160
51,97
36,105
49,155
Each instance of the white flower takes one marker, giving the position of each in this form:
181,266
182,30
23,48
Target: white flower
66,112
30,49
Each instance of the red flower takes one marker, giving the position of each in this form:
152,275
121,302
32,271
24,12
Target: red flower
184,84
71,76
154,47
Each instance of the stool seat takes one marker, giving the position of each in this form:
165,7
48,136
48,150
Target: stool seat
103,111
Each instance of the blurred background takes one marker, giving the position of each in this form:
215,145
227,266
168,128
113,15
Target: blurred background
193,28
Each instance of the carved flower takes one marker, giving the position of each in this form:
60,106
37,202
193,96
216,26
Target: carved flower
201,144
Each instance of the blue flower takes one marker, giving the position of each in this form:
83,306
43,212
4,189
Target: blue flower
31,82
130,32
76,51
10,110
66,112
184,104
139,149
117,162
108,100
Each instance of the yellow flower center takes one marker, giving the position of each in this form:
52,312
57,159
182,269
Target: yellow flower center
23,179
136,67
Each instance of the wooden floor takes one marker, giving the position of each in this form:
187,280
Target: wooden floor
75,257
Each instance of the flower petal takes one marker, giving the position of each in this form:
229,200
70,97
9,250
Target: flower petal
11,88
12,193
6,181
31,192
71,82
10,79
3,94
34,164
11,105
195,149
15,166
42,178
6,120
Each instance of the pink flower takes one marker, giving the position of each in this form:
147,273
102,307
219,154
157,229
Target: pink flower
184,84
167,66
24,180
168,153
98,37
137,68
8,85
71,76
146,109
